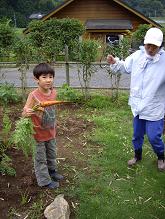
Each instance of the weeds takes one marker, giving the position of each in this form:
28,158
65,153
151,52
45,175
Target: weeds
25,197
12,213
36,210
6,165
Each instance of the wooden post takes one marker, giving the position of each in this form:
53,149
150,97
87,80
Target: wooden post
67,65
23,78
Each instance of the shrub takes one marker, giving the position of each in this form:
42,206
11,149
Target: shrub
8,94
68,93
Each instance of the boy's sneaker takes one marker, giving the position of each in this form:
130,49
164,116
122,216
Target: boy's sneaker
161,165
55,176
52,185
133,161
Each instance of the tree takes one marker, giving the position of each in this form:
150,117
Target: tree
148,7
22,9
50,37
122,50
23,53
88,52
138,35
7,36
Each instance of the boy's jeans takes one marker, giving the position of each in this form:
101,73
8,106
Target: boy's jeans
153,130
45,158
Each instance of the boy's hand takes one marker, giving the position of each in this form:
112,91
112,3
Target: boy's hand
28,112
111,59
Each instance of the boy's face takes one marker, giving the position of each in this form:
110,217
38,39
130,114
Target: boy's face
45,81
151,49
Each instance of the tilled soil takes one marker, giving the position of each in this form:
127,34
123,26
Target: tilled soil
23,187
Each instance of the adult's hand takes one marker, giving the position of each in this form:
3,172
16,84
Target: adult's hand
111,60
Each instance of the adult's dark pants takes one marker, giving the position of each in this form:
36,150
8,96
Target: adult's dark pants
153,130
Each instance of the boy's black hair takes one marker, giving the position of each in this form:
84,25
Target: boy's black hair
43,68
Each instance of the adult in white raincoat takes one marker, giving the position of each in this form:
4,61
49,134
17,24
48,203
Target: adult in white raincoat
147,93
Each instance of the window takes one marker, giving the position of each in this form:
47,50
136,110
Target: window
112,39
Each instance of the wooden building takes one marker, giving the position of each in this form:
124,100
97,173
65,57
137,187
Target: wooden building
106,20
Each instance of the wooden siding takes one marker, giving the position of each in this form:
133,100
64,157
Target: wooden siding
98,9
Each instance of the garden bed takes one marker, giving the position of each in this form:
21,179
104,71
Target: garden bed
18,194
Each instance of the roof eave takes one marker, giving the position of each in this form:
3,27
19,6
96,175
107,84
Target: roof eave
100,29
56,9
107,30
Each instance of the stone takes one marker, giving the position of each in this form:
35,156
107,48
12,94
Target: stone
58,209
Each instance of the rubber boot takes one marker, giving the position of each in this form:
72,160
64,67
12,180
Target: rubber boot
161,163
137,157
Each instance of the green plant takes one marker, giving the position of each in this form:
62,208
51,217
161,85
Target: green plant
8,94
12,212
7,36
36,210
6,165
99,102
23,54
50,37
68,93
24,197
5,133
5,161
88,52
23,136
121,51
138,35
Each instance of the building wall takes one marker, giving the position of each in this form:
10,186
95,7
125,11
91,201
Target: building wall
98,9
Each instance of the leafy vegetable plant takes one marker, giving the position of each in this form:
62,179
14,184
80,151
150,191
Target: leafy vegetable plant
23,136
5,143
8,94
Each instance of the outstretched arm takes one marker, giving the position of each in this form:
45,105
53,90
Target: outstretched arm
111,60
120,66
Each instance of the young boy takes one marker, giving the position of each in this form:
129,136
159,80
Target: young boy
44,127
147,93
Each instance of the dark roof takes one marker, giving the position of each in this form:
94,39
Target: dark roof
108,24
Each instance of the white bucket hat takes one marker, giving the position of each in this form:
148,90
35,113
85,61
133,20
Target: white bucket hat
154,36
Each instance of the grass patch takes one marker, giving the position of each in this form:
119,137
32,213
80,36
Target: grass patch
109,189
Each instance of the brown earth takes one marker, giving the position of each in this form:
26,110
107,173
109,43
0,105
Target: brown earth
71,143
